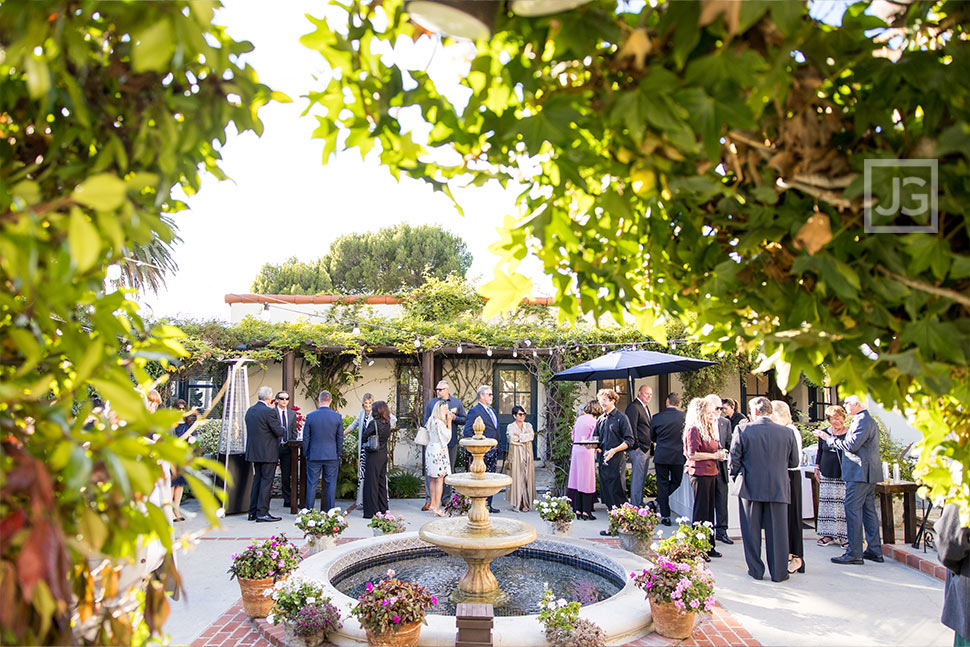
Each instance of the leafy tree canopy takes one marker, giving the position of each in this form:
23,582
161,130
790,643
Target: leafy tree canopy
387,261
293,276
104,108
709,157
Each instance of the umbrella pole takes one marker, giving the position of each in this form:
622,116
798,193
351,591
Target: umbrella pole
629,385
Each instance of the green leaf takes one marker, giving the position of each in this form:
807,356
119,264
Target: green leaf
103,192
84,241
92,528
153,47
504,292
787,14
38,77
122,397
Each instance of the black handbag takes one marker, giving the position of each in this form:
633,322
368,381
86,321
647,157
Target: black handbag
373,442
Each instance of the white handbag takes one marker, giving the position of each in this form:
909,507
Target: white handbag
734,485
421,437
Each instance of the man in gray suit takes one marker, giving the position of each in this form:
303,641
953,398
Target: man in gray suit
263,433
861,470
762,452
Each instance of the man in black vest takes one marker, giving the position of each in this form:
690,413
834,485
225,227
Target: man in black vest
668,454
288,422
638,412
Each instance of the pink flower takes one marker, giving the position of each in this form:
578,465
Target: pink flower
643,512
396,618
434,600
370,587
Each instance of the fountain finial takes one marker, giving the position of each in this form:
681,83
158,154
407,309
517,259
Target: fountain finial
479,428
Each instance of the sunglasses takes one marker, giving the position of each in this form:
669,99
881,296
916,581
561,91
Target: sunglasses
441,388
521,413
282,398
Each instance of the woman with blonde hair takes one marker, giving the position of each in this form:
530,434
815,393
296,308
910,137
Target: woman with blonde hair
702,450
436,452
153,400
781,414
522,492
831,488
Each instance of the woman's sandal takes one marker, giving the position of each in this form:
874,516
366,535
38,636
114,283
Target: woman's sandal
825,541
796,569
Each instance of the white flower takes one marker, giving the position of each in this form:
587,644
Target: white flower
304,511
561,602
311,600
267,593
332,512
681,535
654,546
311,523
271,619
682,519
275,596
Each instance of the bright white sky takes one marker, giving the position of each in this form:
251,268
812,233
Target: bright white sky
282,201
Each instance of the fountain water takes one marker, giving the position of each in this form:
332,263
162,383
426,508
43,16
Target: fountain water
478,539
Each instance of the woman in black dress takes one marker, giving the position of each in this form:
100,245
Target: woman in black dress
375,472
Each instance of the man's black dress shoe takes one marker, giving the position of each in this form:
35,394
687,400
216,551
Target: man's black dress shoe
714,553
723,538
756,577
493,510
605,533
267,519
781,580
874,557
665,521
846,559
589,515
252,516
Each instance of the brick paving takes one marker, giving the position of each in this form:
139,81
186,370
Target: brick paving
904,554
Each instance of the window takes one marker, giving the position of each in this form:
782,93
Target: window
754,385
514,385
820,397
621,386
409,397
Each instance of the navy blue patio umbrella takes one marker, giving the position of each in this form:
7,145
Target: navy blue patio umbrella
630,364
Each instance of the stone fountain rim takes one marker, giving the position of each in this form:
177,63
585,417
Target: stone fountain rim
624,617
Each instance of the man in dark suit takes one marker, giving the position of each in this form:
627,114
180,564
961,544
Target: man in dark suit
724,435
763,452
615,436
263,433
861,470
667,429
455,406
323,441
288,422
638,412
483,409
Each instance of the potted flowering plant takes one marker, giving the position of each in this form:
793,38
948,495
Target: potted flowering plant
688,542
457,505
306,614
385,523
258,567
392,611
677,593
321,529
557,512
635,526
564,627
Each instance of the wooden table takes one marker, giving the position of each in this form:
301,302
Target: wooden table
885,490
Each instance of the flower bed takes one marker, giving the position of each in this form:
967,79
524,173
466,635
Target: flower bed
554,509
387,523
316,523
301,604
633,520
275,557
391,603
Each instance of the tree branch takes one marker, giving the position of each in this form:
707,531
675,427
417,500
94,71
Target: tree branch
926,287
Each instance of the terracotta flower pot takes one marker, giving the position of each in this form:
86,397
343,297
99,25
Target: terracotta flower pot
671,622
635,545
255,603
292,640
560,528
318,544
406,636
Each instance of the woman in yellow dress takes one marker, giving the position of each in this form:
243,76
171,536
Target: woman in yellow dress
522,491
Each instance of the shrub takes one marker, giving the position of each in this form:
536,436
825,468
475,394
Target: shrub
404,484
689,586
391,603
321,524
555,509
387,523
301,603
583,634
688,543
274,558
457,505
564,627
207,436
633,520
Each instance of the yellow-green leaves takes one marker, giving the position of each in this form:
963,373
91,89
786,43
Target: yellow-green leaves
153,47
504,292
38,76
102,192
84,241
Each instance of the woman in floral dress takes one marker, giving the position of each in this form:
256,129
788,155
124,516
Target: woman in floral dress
436,453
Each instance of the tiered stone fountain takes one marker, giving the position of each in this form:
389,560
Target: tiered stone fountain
477,538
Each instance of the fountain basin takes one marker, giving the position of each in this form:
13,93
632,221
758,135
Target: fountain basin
624,617
456,537
478,485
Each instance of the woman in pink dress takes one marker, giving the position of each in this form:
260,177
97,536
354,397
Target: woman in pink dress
581,486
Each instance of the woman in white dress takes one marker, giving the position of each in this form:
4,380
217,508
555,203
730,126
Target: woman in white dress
436,453
522,492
